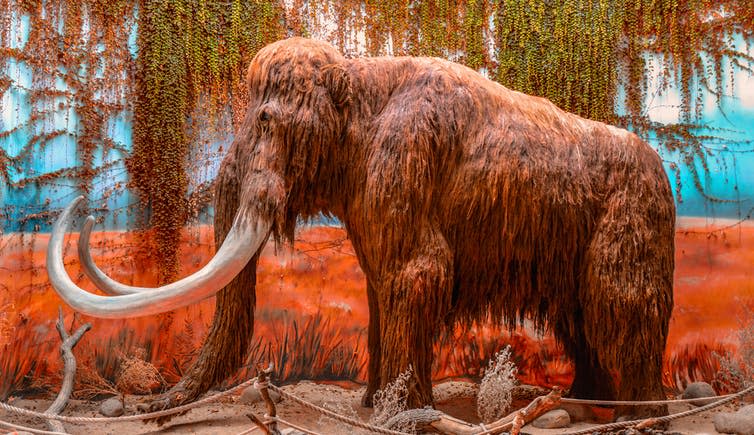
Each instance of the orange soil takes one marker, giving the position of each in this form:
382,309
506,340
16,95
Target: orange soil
714,291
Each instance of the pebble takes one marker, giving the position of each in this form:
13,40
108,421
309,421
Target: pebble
251,395
578,412
112,407
740,422
554,419
699,389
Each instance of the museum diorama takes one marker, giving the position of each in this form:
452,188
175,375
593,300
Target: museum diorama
429,216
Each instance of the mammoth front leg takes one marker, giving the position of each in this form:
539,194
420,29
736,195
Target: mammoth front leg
414,298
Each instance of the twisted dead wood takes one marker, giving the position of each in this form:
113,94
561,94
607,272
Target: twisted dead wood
69,369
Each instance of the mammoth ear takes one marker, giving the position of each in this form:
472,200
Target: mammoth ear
336,80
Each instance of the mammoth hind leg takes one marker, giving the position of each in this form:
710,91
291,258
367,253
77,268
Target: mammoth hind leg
627,300
591,380
631,348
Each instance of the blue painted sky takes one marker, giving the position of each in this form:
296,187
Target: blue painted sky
731,161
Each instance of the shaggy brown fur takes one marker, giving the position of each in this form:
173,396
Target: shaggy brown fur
463,199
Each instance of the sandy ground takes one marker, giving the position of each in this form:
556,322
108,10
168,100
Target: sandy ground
229,416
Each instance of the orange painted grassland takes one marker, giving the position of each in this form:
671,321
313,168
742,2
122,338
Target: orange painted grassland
312,312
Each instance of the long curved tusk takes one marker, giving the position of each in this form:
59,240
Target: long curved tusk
98,277
244,239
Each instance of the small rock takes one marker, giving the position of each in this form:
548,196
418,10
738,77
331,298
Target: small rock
251,395
112,407
554,419
740,422
290,431
699,389
578,411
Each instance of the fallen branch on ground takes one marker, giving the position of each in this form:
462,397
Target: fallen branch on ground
437,421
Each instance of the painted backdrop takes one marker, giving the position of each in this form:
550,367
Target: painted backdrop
311,312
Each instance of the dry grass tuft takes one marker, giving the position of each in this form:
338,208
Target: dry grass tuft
496,389
89,382
735,374
391,400
307,347
137,376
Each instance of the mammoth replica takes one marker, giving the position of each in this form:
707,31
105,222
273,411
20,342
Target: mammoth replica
463,199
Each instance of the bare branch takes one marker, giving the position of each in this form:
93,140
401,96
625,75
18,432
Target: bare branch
69,369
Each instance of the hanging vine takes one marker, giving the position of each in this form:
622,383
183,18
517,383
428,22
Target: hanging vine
79,60
475,28
160,145
590,57
580,53
562,51
188,50
695,42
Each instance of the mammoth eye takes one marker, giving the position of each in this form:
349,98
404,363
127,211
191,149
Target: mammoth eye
264,115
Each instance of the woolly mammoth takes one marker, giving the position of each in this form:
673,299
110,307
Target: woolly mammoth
462,198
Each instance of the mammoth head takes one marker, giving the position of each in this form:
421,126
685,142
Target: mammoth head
299,93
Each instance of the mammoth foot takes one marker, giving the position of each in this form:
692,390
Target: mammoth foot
176,396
